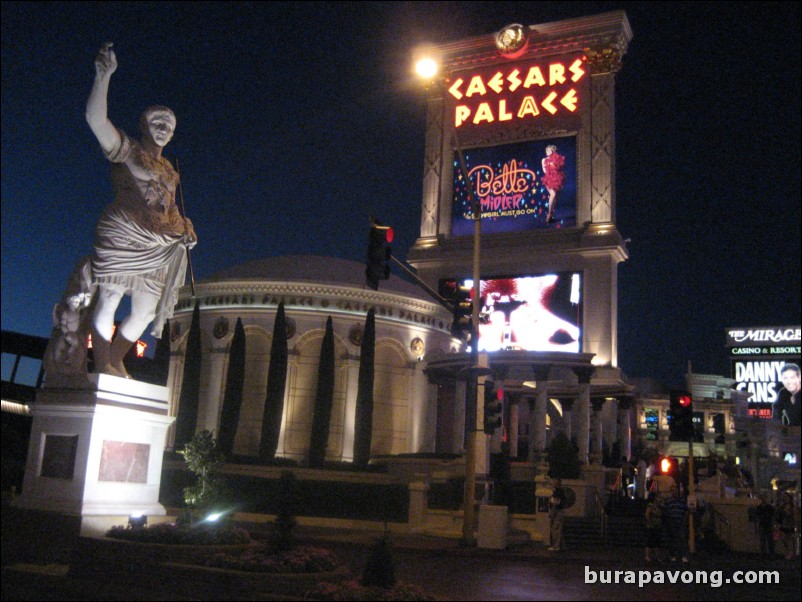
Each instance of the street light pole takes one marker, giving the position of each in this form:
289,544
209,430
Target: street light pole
427,68
472,393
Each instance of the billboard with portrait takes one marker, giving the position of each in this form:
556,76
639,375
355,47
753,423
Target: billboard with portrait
766,363
515,185
531,313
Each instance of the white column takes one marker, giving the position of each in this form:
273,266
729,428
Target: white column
624,427
596,430
209,406
351,387
583,430
568,418
459,416
512,436
583,401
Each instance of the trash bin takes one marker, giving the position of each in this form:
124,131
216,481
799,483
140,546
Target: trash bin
492,527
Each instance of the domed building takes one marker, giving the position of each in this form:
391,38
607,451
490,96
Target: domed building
409,329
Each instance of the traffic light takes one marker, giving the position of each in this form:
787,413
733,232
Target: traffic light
463,309
379,254
666,466
681,415
458,297
494,405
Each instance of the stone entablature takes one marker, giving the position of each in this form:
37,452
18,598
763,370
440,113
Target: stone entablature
603,37
303,296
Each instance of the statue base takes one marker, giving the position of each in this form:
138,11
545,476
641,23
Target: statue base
96,448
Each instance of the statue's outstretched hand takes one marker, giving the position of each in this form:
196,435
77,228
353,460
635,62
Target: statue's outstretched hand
190,238
105,61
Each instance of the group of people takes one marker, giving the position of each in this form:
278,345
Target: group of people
667,522
634,479
776,524
667,526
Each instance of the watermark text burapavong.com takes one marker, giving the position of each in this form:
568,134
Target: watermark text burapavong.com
644,577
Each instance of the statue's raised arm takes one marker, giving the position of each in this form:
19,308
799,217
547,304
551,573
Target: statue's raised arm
97,104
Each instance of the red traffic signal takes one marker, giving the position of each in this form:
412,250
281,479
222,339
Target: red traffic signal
377,264
681,415
666,466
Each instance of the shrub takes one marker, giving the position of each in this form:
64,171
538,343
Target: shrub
380,569
174,534
287,505
563,458
353,590
204,459
264,559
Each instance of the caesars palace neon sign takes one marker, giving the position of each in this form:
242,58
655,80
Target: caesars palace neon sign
517,93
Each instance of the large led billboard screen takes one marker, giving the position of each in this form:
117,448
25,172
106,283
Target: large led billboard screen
766,363
516,185
531,313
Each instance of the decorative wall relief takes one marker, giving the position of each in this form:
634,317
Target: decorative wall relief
124,462
220,327
355,335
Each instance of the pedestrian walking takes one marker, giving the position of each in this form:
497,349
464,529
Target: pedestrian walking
627,474
765,517
787,521
557,516
654,528
640,479
675,513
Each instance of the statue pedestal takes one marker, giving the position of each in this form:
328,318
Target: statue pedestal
96,448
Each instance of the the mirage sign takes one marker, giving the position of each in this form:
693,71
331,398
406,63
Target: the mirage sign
758,357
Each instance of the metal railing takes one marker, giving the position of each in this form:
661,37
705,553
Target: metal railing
601,513
720,524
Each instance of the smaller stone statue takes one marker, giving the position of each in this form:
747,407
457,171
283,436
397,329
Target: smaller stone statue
66,350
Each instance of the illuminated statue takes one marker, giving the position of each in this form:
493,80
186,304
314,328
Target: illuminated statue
141,238
66,350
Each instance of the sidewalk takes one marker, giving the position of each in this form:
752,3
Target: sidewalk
40,572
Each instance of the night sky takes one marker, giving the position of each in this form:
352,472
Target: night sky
296,121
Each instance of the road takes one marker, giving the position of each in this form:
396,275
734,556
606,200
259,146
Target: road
450,571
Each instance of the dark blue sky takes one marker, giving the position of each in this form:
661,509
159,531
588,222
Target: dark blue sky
296,121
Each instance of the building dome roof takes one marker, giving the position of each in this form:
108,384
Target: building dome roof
312,268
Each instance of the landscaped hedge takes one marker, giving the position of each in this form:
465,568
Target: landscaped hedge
330,499
448,495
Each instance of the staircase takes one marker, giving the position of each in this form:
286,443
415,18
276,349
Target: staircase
581,531
626,526
626,522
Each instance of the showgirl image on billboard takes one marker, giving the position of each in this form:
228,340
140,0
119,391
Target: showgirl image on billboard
522,186
530,313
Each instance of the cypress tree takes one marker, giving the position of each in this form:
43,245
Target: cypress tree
363,419
161,358
276,383
232,400
187,419
324,400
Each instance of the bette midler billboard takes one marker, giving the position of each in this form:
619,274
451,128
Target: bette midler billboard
522,186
